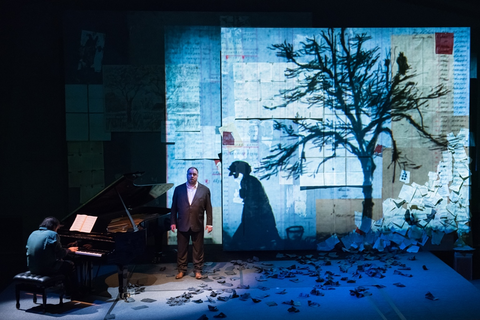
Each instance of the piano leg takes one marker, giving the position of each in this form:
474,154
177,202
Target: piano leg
122,282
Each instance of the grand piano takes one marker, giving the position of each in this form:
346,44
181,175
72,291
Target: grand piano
119,234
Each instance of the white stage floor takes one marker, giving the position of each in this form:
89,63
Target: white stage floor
393,287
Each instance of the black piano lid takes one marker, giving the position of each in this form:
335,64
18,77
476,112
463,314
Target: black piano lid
108,203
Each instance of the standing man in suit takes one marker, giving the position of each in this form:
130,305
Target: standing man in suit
191,201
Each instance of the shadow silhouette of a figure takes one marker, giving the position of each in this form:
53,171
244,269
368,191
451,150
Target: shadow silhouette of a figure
257,229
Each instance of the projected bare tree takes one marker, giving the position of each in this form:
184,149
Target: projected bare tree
127,82
133,97
337,72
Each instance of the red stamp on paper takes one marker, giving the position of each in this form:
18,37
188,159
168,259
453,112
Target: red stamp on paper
228,139
444,43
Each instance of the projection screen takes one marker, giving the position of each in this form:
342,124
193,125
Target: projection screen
310,138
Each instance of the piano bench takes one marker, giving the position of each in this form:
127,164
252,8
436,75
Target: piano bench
38,284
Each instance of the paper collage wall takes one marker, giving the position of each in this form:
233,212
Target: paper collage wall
324,204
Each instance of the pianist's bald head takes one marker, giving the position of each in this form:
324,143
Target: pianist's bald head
51,223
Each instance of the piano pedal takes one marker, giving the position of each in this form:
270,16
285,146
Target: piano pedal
157,258
126,297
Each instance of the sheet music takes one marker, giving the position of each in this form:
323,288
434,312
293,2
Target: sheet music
83,223
160,189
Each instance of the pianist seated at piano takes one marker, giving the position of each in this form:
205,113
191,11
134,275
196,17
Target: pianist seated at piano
45,255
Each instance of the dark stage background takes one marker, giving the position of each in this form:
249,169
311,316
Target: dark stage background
33,161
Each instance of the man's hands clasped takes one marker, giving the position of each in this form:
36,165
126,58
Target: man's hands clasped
173,228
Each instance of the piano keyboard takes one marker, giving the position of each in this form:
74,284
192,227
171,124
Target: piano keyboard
91,253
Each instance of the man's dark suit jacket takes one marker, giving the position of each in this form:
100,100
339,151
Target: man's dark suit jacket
186,216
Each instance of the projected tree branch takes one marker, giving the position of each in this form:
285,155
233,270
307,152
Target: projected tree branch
134,100
127,82
337,72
